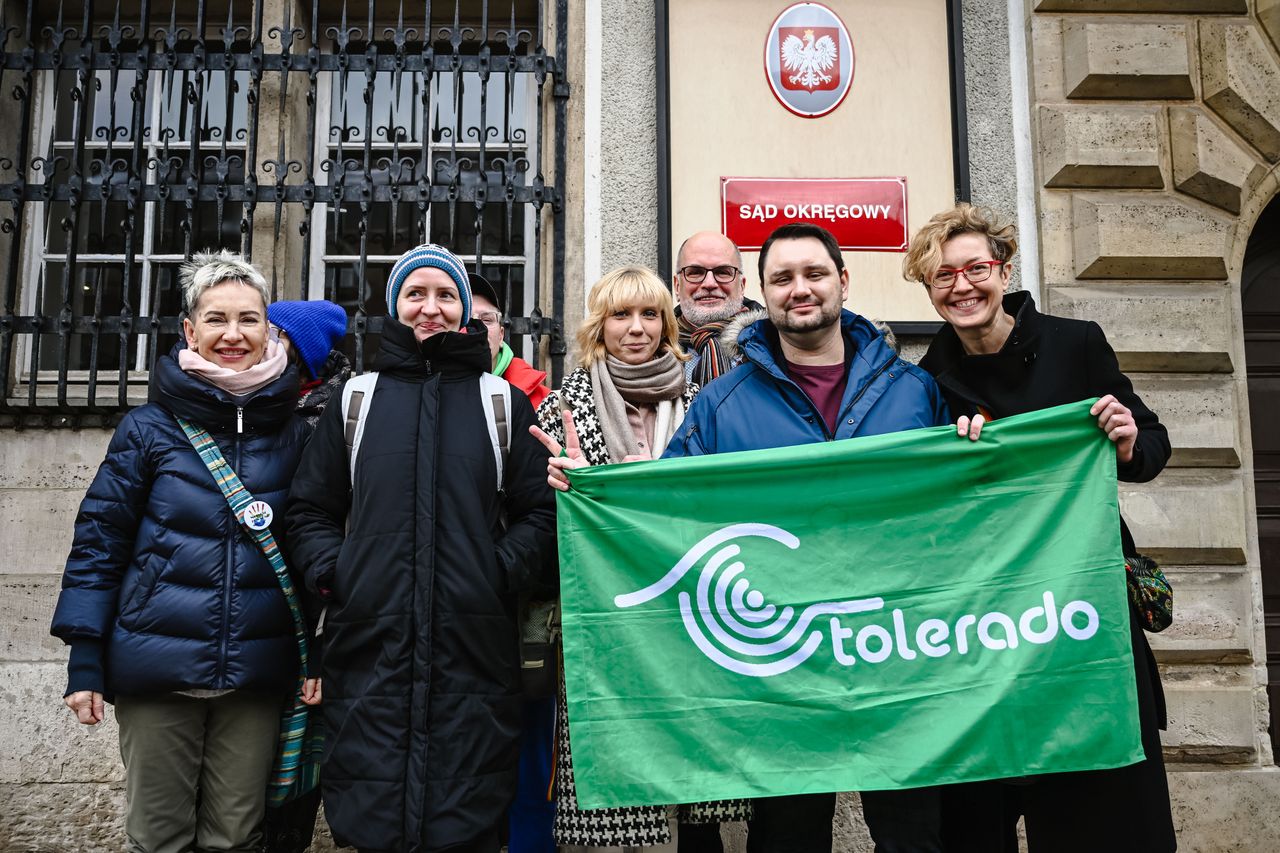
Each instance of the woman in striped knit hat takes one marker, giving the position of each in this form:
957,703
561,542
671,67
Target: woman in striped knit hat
420,558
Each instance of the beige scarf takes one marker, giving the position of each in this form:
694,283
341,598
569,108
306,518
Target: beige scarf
659,381
238,382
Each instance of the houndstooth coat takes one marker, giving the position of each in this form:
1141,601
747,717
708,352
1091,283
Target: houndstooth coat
636,826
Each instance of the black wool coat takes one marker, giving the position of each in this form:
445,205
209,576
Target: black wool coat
421,656
1048,361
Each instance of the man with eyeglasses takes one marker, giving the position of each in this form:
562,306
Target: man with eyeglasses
487,307
709,286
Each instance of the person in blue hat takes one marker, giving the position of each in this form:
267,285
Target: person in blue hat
422,550
312,331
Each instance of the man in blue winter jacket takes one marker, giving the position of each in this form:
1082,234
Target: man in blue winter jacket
816,372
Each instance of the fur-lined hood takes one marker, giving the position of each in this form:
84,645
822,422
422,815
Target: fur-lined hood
739,324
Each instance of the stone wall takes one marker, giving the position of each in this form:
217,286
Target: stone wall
60,782
1157,134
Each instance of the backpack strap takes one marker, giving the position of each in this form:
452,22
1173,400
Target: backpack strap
355,413
496,392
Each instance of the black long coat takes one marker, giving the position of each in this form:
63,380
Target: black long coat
421,663
1048,361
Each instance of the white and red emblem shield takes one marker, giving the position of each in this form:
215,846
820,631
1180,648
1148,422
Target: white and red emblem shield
808,59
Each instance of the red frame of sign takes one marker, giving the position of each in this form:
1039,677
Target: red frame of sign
831,194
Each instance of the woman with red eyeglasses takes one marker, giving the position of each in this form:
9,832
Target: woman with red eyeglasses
997,356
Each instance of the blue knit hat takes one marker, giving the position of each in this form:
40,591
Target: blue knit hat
314,328
429,255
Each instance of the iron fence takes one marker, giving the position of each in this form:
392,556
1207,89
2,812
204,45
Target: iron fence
322,145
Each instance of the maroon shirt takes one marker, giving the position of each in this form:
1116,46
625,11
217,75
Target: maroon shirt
825,386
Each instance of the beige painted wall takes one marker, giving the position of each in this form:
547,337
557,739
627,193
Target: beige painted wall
896,120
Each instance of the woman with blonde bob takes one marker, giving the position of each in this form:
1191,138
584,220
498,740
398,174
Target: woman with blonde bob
172,611
997,356
624,401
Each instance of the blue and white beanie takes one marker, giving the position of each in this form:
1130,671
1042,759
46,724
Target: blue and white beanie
429,255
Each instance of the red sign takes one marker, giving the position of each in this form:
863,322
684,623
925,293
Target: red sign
810,58
864,214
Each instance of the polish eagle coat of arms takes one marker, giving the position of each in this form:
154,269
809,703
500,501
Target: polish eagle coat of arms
809,59
810,62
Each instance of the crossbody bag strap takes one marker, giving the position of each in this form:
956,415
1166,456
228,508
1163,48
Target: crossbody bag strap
240,501
496,392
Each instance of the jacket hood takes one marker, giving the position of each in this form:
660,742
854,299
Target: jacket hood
449,353
187,396
738,325
735,336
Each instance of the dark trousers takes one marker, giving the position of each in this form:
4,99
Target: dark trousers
488,842
1102,811
290,827
533,813
900,822
699,838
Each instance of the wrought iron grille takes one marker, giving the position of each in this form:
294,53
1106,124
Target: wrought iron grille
321,145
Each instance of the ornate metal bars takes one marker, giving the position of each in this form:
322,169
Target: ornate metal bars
201,124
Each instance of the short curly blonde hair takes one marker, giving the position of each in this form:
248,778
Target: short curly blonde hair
925,254
619,290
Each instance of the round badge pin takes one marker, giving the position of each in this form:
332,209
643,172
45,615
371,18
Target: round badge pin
258,515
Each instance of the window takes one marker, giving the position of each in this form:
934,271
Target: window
144,143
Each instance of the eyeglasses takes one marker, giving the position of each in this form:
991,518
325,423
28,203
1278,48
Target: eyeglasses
975,272
695,274
492,319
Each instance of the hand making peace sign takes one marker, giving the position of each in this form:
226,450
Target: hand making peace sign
562,459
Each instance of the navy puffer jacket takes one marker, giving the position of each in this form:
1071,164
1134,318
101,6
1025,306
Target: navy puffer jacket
163,590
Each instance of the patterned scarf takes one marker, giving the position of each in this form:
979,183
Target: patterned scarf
704,340
659,382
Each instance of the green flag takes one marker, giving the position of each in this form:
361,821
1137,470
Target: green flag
877,613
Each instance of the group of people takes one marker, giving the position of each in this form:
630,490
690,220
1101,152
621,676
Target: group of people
415,511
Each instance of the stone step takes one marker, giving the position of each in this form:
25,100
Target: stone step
1207,163
1156,328
1138,61
1134,236
1213,715
1188,516
1200,414
1211,622
39,525
1241,82
53,458
1101,147
1183,7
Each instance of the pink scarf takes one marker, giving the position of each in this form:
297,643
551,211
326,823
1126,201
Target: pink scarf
238,382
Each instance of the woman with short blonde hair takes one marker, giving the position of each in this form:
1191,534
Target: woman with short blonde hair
630,285
624,401
172,611
924,257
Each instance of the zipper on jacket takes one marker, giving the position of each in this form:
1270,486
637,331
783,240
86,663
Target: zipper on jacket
863,390
239,420
229,567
